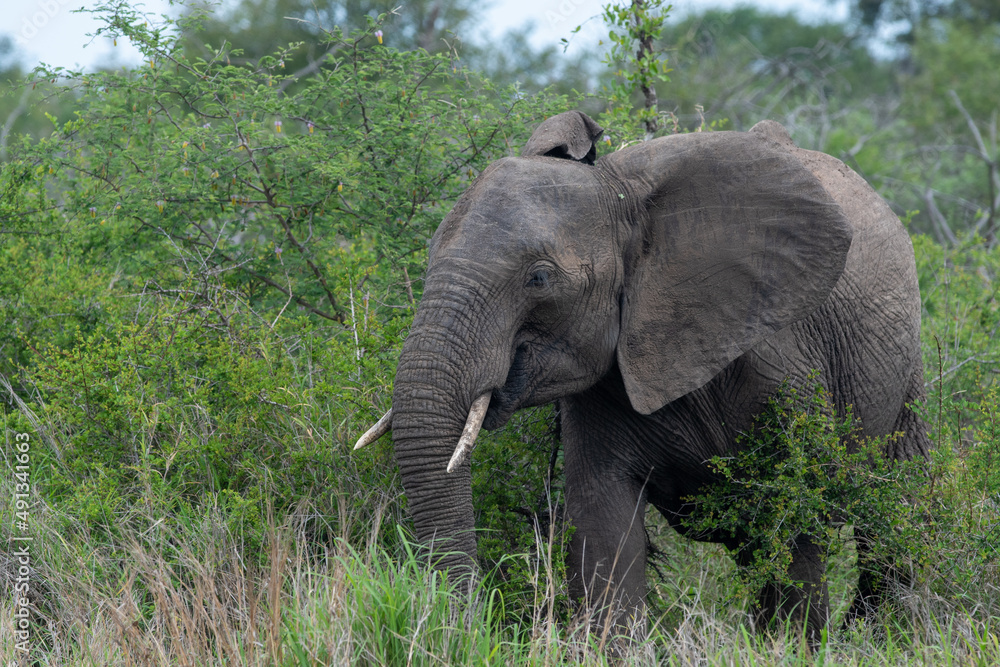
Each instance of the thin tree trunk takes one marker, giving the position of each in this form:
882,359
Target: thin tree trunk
645,79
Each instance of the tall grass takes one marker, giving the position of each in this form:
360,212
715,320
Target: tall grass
304,603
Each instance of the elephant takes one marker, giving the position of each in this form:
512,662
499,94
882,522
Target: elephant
661,294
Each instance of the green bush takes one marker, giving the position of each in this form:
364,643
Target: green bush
803,470
177,416
961,320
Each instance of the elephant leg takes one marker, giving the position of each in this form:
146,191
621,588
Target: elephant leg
607,557
805,601
877,581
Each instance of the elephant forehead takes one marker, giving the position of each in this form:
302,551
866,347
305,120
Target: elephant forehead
519,201
538,181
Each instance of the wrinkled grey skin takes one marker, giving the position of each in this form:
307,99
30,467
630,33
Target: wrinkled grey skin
661,294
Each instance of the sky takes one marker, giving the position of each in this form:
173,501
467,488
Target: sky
50,31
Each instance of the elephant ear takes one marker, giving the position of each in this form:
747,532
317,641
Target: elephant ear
735,240
571,136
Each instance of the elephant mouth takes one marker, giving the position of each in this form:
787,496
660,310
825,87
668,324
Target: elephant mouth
515,392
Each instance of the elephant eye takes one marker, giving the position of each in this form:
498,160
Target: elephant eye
539,278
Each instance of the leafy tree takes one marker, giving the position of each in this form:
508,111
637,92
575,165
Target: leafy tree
215,158
940,156
256,28
744,65
916,16
960,58
25,108
259,27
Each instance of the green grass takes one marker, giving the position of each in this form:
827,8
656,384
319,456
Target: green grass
306,604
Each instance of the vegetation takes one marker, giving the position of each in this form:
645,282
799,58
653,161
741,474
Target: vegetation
208,263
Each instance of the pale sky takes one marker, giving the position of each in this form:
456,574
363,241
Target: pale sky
50,31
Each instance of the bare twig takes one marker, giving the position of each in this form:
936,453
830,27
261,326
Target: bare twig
22,104
945,373
987,224
409,288
941,227
281,312
354,325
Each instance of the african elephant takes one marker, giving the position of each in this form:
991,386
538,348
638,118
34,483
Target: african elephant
661,293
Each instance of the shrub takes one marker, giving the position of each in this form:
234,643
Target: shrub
803,470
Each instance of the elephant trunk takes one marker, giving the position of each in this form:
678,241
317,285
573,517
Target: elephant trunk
438,381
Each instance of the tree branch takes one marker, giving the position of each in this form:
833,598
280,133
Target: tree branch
941,228
988,223
22,104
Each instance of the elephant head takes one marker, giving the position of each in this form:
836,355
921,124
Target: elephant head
663,262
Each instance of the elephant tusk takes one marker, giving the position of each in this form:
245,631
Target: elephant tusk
380,428
472,425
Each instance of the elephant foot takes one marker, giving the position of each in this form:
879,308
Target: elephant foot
878,583
875,590
799,606
803,604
